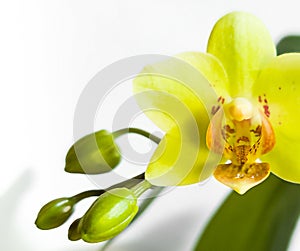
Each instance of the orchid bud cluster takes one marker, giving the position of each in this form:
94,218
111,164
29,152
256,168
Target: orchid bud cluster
114,209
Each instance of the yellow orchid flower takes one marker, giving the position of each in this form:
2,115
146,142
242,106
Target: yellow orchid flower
253,118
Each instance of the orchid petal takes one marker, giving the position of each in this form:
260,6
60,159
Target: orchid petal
178,160
278,92
190,79
211,68
243,45
284,159
177,90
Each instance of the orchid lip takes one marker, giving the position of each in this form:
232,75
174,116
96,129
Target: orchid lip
242,133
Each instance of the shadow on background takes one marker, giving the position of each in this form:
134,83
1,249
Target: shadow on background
172,234
11,238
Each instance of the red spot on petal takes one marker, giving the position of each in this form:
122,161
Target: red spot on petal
259,99
214,109
266,110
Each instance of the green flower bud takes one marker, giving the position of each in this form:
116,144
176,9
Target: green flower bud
109,215
93,154
74,231
55,213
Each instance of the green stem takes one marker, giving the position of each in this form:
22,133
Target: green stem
140,188
137,131
127,183
87,194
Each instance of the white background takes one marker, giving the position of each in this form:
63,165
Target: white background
49,50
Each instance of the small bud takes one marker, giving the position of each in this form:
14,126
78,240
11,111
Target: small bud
93,154
55,213
109,215
74,231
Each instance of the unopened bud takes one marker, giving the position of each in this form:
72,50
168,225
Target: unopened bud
55,213
109,215
74,231
93,154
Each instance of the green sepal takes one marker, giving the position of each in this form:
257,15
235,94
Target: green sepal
109,215
95,153
55,213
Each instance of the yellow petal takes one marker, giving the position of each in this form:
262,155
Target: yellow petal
278,93
188,79
211,68
284,159
180,159
243,45
179,99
